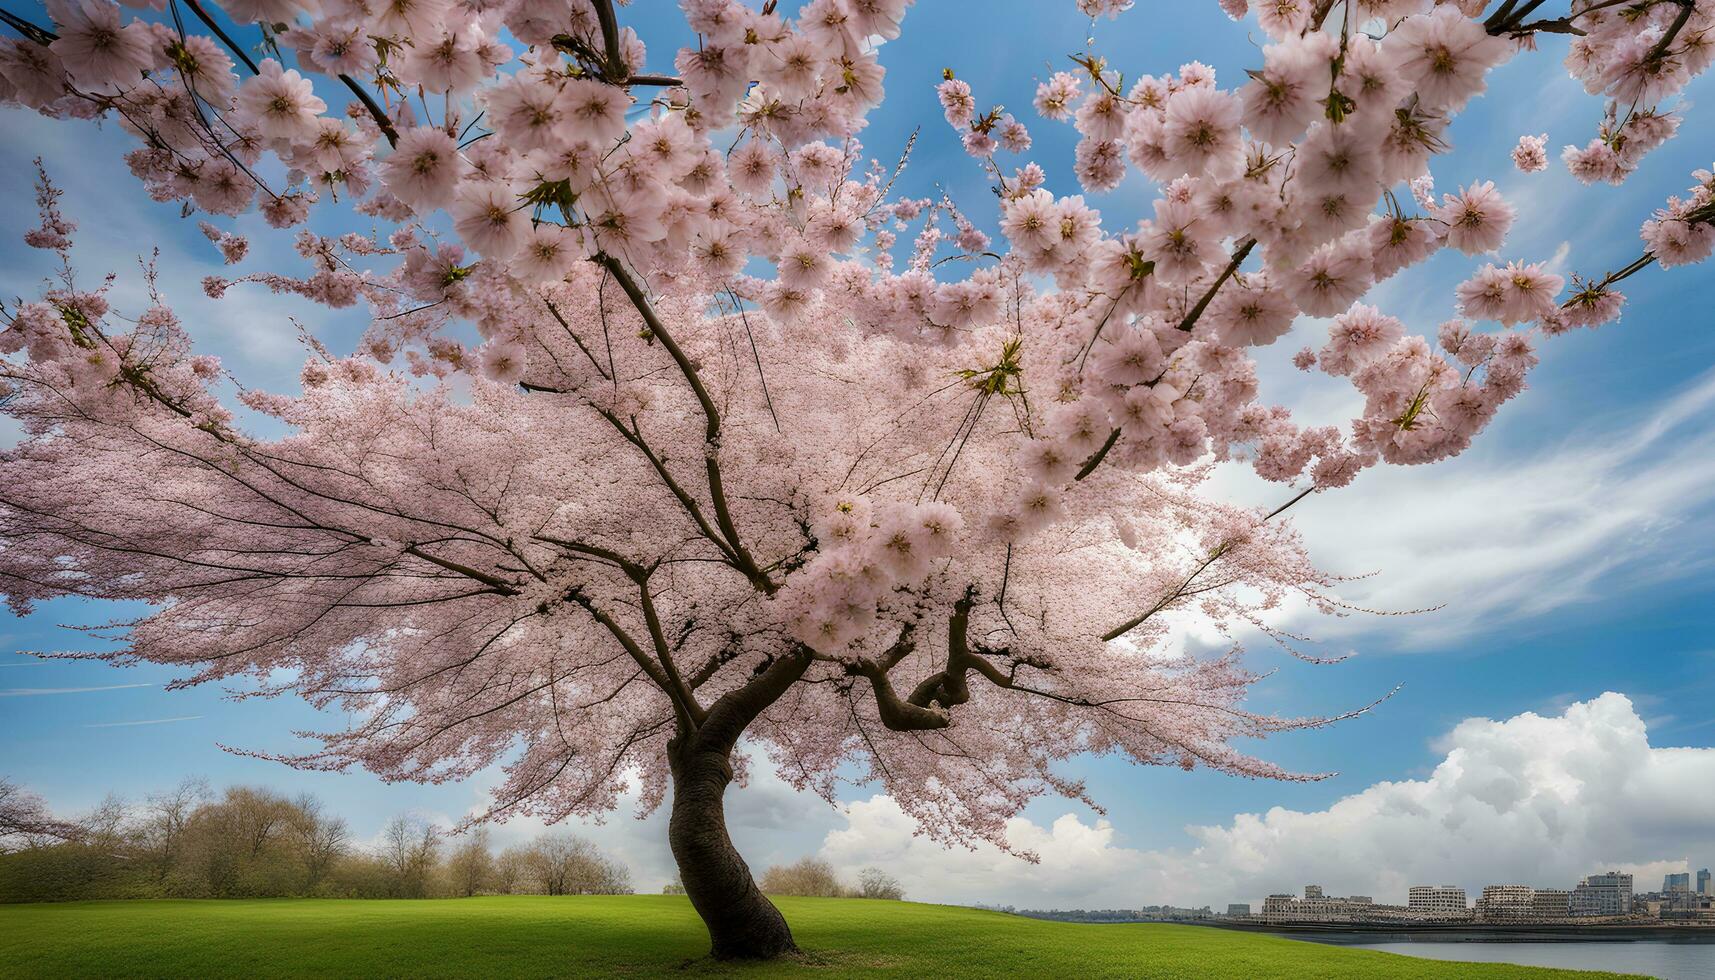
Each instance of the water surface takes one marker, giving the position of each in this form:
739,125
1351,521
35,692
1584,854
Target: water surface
1668,961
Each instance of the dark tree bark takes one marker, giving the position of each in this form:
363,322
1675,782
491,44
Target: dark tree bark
742,922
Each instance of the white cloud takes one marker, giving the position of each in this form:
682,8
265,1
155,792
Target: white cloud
1532,799
30,692
1502,534
146,721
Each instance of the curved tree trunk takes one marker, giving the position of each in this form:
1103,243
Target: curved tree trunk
742,922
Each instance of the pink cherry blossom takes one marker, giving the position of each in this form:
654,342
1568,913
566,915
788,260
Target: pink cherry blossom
101,52
1531,154
1477,218
281,103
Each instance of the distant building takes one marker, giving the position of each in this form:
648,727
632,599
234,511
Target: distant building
1551,903
1682,901
1703,885
1676,883
1239,910
1175,913
1603,894
1319,906
1437,901
1505,902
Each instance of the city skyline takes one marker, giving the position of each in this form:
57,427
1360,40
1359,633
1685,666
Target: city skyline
1596,896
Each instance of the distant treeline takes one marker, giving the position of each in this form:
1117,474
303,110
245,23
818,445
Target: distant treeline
254,843
816,878
250,842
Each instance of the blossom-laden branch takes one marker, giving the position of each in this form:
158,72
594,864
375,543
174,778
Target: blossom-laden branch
676,422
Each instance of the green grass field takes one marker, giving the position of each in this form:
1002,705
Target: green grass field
643,935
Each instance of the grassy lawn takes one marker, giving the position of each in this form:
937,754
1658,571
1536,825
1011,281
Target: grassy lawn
643,935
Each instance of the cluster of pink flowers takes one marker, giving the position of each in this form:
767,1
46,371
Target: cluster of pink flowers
1684,231
1638,55
1531,154
982,135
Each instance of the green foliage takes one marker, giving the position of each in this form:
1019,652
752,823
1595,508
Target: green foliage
645,935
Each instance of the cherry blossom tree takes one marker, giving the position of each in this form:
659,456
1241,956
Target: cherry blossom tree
25,820
663,457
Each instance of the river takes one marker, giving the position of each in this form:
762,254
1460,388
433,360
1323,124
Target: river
1665,960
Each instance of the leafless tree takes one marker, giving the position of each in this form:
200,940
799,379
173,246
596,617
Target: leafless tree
876,883
470,868
512,871
260,817
410,847
566,865
320,837
811,877
166,821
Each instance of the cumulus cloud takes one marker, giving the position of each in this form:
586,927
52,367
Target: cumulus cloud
1531,799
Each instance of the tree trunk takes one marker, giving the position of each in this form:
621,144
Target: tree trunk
742,922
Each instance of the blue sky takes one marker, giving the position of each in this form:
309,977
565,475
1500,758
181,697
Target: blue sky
1570,547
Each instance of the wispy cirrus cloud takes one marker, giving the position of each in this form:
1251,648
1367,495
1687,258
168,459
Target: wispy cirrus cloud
1500,536
30,692
146,721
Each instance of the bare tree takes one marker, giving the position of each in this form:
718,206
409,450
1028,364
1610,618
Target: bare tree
260,816
166,821
410,847
512,871
876,883
104,828
321,839
563,864
811,877
471,866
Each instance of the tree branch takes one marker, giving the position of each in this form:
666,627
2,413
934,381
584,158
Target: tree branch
639,575
494,581
712,422
896,713
1239,255
615,68
385,124
733,712
31,32
631,646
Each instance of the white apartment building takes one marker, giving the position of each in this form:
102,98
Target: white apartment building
1551,903
1437,901
1604,894
1318,906
1502,902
